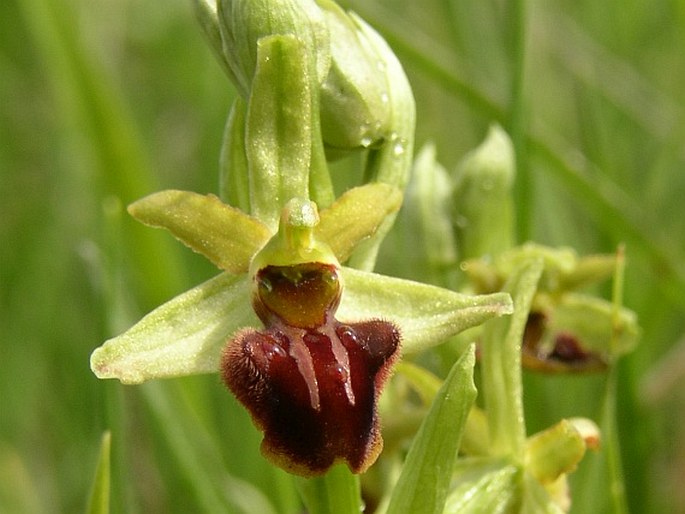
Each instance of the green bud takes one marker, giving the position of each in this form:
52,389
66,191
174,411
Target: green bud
430,245
355,102
483,200
243,23
557,450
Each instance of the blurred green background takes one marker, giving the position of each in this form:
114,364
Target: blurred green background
102,102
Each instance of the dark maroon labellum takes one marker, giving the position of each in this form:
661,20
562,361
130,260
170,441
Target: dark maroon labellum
566,354
309,381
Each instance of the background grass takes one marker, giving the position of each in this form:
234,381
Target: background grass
102,102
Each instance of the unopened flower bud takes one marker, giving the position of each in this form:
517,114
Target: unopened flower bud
355,98
482,197
243,23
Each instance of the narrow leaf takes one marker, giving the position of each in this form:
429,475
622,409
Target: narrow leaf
99,495
182,337
423,485
426,315
356,215
225,235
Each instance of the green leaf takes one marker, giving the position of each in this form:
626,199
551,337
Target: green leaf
182,337
356,215
225,235
336,492
423,485
501,365
99,495
279,127
426,315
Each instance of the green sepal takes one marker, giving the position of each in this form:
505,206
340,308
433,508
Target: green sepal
184,336
423,484
426,315
279,127
225,235
356,215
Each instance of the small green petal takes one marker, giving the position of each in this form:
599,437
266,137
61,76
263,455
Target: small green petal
356,215
426,315
182,337
225,235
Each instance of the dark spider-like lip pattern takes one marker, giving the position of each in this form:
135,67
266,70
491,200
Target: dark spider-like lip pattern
309,381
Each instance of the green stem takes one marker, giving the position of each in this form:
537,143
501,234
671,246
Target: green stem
501,366
517,120
336,492
610,429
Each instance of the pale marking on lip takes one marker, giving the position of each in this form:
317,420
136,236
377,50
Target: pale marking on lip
305,364
342,357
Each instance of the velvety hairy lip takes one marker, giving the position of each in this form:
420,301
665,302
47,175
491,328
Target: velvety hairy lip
310,382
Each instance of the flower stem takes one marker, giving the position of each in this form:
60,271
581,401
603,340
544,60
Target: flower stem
336,492
501,365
